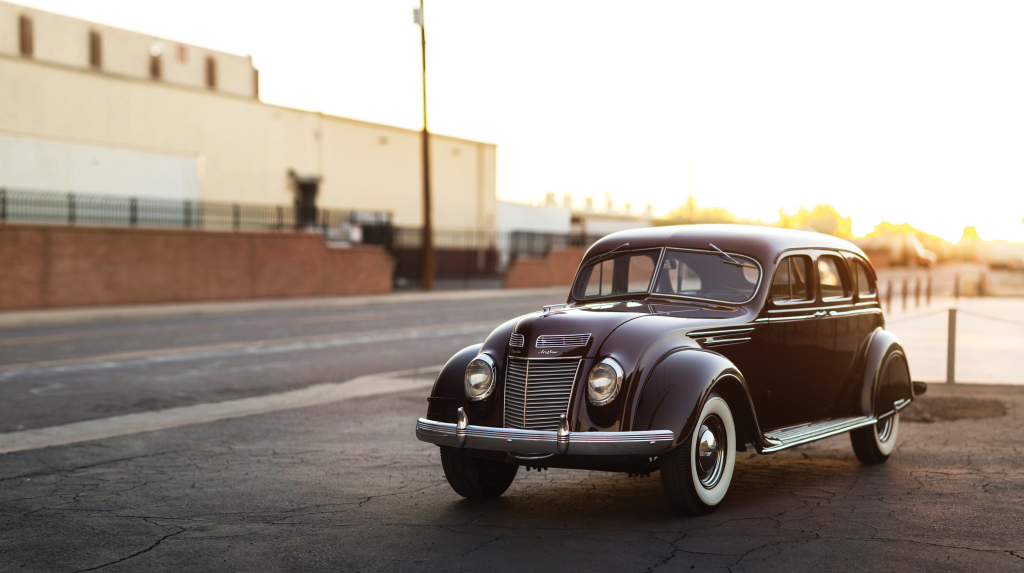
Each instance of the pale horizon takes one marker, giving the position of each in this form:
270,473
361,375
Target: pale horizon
903,113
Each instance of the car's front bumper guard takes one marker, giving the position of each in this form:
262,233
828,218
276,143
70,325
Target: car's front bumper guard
462,435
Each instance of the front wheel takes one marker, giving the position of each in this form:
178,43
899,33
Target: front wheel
475,478
874,443
696,476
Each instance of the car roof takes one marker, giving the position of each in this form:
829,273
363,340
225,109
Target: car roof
763,243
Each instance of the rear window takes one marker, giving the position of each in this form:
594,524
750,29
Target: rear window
865,285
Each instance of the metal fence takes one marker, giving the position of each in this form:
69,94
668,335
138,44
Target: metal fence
463,258
466,258
88,209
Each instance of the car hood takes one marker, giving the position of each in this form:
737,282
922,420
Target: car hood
578,331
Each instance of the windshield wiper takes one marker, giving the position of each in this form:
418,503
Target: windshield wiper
600,258
727,259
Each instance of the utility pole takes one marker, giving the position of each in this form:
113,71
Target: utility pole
428,216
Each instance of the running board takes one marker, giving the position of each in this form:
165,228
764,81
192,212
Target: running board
804,433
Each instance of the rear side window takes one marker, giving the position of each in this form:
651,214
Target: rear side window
790,282
832,277
865,284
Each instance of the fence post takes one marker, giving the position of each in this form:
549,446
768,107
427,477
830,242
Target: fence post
904,291
917,292
928,292
280,219
982,279
888,296
951,348
71,208
956,286
187,218
325,221
3,204
236,216
133,211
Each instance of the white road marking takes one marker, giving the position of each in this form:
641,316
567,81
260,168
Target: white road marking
371,385
234,349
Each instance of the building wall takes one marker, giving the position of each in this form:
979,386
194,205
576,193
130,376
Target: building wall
558,268
44,267
65,41
245,149
536,218
30,163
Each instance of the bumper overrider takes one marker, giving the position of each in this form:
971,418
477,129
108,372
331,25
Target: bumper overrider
463,435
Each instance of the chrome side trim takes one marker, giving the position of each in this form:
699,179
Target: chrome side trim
730,336
725,341
710,333
805,433
543,441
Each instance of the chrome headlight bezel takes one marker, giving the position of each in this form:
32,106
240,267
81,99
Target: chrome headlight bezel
602,368
491,381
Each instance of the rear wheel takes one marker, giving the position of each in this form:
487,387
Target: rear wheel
696,476
475,478
873,444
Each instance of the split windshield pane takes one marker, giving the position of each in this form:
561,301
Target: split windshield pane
624,273
708,276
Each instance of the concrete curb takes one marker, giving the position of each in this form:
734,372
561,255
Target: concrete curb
22,318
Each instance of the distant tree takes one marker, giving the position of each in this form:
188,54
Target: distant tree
822,218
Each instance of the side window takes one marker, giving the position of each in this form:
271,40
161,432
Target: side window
790,282
865,285
832,277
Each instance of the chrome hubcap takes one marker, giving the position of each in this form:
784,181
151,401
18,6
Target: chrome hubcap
711,451
884,429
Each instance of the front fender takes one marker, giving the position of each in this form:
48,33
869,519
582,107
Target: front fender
449,391
679,384
879,391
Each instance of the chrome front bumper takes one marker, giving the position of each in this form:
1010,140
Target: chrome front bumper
543,442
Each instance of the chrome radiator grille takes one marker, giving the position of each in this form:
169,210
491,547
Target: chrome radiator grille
554,340
537,391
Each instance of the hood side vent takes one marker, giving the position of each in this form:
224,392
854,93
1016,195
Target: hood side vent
557,340
516,340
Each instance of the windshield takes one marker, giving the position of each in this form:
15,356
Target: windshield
621,273
708,275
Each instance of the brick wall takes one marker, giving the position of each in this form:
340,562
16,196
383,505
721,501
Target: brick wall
558,268
58,266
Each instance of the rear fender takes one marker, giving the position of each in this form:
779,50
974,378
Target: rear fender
679,384
877,394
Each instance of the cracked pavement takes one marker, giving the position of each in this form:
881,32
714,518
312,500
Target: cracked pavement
346,486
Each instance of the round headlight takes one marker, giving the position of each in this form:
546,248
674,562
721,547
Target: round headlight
604,382
480,378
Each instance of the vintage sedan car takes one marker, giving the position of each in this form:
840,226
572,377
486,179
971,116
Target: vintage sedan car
678,347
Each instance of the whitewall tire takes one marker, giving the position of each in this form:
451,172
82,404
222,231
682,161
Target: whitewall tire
696,476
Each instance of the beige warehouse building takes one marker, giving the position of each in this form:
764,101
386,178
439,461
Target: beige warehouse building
88,108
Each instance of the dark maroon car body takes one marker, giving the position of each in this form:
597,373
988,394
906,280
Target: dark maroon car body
791,371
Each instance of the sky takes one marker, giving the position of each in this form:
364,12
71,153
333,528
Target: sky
897,111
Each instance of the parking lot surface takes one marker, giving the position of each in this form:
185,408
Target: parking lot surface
345,485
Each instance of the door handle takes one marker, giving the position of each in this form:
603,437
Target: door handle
819,314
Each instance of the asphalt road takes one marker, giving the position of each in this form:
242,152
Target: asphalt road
345,486
59,374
